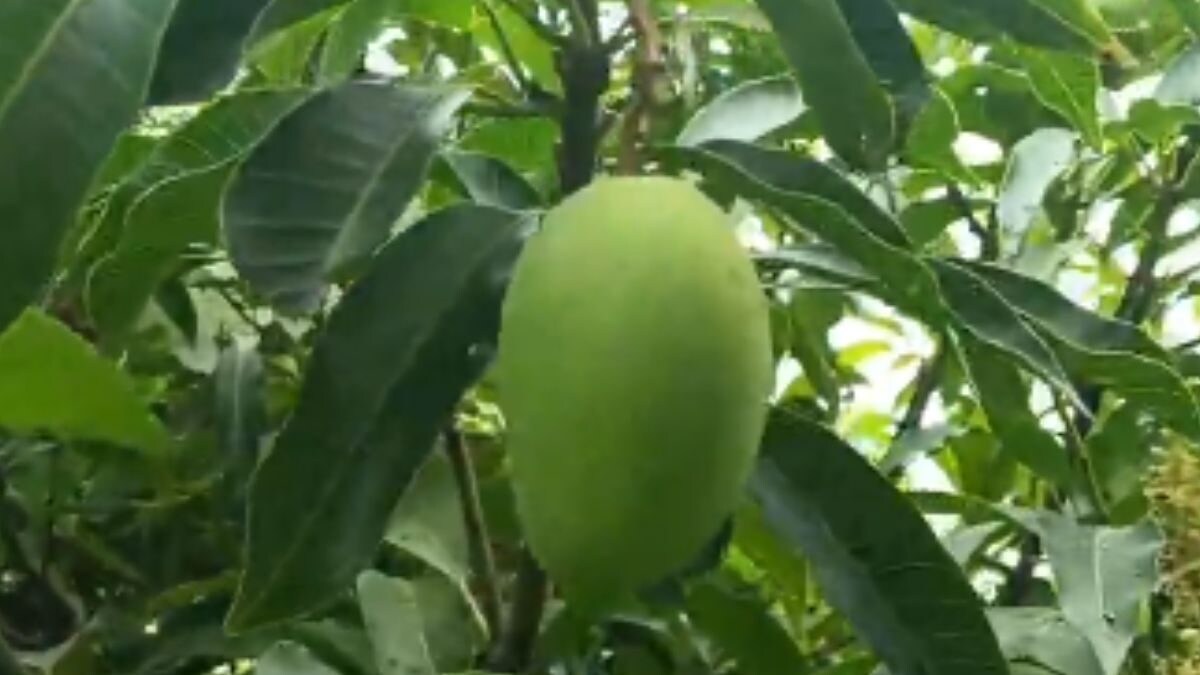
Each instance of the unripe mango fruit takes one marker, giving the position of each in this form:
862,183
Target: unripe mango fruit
634,371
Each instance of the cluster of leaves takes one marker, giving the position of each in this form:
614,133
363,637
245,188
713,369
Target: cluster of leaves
252,255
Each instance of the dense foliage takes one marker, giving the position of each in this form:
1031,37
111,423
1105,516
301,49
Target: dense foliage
253,255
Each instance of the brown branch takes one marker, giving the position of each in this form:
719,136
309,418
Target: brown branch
649,72
513,652
478,541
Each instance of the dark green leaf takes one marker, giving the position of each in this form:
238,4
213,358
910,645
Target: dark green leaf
931,139
838,84
280,14
202,49
873,554
884,41
325,187
395,357
821,262
747,112
73,74
52,381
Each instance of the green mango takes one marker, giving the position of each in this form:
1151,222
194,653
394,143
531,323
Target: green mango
634,370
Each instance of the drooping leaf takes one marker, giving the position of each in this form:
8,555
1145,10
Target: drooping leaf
742,627
822,262
817,200
489,181
747,112
1069,25
889,50
874,556
1068,84
1043,636
395,357
837,82
72,77
1005,400
202,49
1104,576
393,619
52,381
289,658
327,184
985,314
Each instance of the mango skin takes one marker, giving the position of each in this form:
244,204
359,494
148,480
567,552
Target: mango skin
634,369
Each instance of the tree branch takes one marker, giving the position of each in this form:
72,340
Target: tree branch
513,653
988,237
478,541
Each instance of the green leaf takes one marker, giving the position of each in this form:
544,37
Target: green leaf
1104,351
925,221
202,49
889,50
820,261
52,381
1068,25
1042,635
379,386
325,187
873,554
393,619
838,84
73,74
1189,11
289,658
747,112
1104,575
1068,84
173,200
931,139
985,314
742,627
1005,399
489,181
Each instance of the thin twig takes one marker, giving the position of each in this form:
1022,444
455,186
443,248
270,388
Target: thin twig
649,70
928,378
989,241
478,540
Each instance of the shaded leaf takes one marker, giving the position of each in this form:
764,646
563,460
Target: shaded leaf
1180,84
931,139
72,77
837,82
321,500
428,522
52,381
820,261
874,556
281,14
747,112
325,187
202,49
885,43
